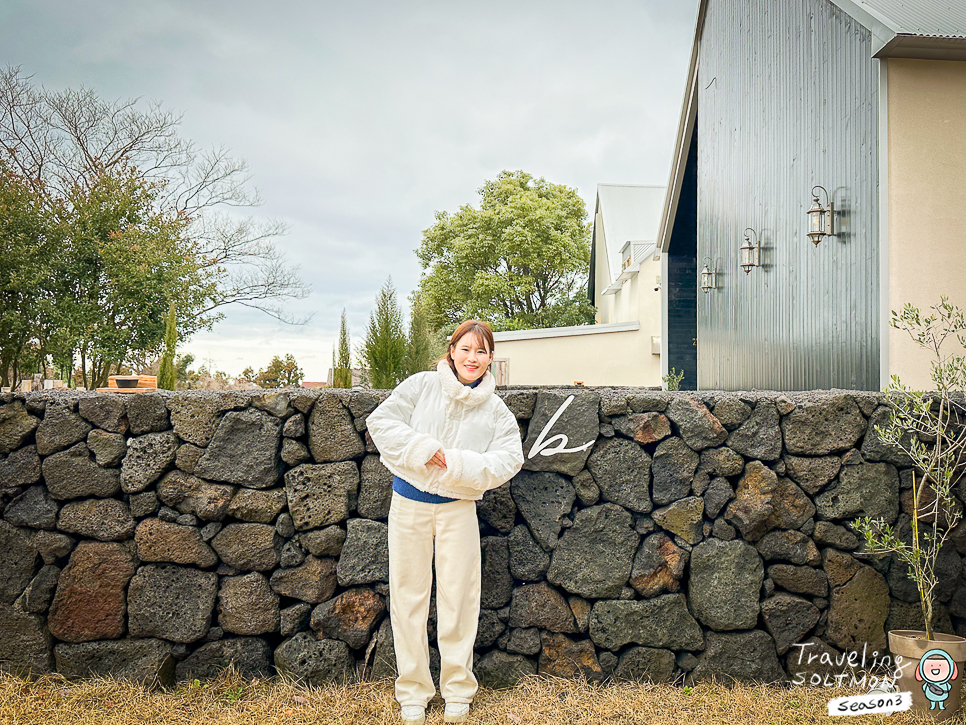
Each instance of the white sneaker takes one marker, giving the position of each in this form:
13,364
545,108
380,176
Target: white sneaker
413,714
456,712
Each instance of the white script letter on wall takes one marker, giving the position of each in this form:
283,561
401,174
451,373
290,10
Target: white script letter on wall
557,443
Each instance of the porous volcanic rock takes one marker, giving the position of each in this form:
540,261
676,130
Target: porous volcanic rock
498,509
645,428
25,643
332,437
351,617
694,421
147,662
294,426
788,618
160,541
384,655
799,579
191,495
248,547
744,656
725,580
574,430
875,449
20,468
828,534
820,427
244,450
315,662
563,657
716,496
321,494
72,474
539,605
731,412
528,562
672,470
858,611
543,500
247,605
658,566
869,489
295,619
147,413
250,656
375,489
60,429
37,596
497,584
663,622
294,452
499,670
326,542
314,581
488,629
257,507
365,553
34,508
524,641
195,415
812,474
171,602
721,462
19,561
148,457
105,519
683,518
622,471
108,448
839,567
759,436
645,664
16,426
107,412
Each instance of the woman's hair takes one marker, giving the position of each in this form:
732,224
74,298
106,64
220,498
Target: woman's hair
480,330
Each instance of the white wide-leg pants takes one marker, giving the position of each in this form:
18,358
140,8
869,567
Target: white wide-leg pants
414,528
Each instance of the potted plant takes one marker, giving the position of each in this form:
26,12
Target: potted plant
930,428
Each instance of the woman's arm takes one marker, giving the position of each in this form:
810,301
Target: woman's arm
389,427
501,461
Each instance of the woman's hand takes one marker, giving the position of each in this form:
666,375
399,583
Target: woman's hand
438,459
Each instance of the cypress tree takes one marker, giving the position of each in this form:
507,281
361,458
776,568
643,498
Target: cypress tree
167,375
384,348
341,362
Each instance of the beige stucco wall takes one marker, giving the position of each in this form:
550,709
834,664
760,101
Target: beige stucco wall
927,197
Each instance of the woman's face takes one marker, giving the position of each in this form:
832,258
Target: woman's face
470,357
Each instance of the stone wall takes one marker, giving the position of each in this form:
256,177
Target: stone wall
162,536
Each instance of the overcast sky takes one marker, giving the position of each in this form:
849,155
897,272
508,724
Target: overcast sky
360,119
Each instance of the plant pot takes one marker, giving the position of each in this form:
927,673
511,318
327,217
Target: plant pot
936,686
126,382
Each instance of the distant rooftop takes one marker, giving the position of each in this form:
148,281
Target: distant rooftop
630,213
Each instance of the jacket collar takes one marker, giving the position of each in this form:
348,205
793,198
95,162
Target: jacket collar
455,390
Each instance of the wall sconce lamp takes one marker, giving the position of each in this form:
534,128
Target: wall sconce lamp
750,251
820,218
709,276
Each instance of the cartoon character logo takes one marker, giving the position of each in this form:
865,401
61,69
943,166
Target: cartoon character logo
935,671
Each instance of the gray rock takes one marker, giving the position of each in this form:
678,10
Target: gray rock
51,546
658,566
148,457
870,489
375,490
248,547
828,534
539,605
187,457
210,531
587,490
315,662
788,619
576,427
295,619
25,643
683,518
696,425
581,609
60,429
251,657
303,399
793,546
839,567
332,436
499,670
743,656
731,412
106,412
723,530
257,507
187,520
718,493
244,450
858,611
171,602
498,509
830,425
147,662
645,664
294,452
20,468
662,622
38,595
321,494
528,562
146,413
16,426
102,519
276,403
524,641
644,428
672,469
875,449
365,554
562,657
34,508
812,662
576,564
327,542
543,500
291,555
159,541
247,605
725,579
294,426
722,462
497,584
314,581
651,400
812,474
799,579
72,474
351,617
285,526
194,415
384,655
488,630
622,471
108,448
759,436
190,495
520,403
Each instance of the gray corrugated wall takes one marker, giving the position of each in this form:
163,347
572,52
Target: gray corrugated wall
788,98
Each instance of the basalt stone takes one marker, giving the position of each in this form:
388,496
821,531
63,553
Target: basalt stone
650,401
315,662
731,412
581,611
754,503
363,402
788,618
499,670
524,641
384,653
645,428
858,611
672,469
51,545
327,542
294,452
291,554
576,564
60,429
793,546
72,474
813,662
573,431
539,605
497,584
375,490
144,504
34,508
244,450
520,403
332,436
147,413
302,399
20,468
723,530
725,580
759,436
257,507
645,664
365,554
276,403
528,562
195,415
622,471
295,619
16,426
697,426
190,495
159,541
870,489
488,629
37,596
838,566
587,490
321,494
658,566
89,603
251,657
108,448
187,457
799,579
106,412
148,662
247,605
314,581
718,494
560,656
662,622
187,520
543,500
743,656
498,509
829,425
102,519
170,602
25,643
248,547
148,457
903,615
294,426
721,462
828,534
351,617
875,449
683,518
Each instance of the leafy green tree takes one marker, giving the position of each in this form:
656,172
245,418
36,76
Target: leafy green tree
424,345
342,362
519,261
167,375
280,373
384,348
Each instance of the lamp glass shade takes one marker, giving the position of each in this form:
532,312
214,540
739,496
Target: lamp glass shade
706,279
747,255
817,227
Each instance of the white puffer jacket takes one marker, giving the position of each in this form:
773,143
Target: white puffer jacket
433,410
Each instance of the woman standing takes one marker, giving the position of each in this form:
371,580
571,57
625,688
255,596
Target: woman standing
447,438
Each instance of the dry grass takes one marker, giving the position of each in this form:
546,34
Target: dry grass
234,701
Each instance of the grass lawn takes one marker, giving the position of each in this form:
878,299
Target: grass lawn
231,700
